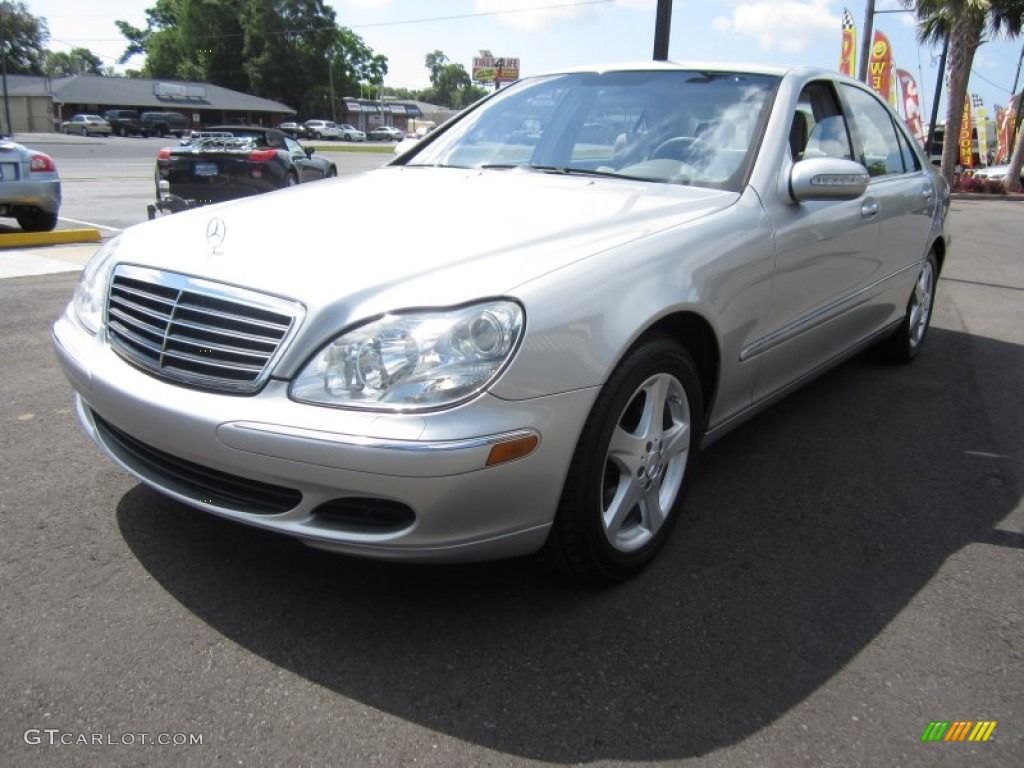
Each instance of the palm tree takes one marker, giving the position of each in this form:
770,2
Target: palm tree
1016,159
969,23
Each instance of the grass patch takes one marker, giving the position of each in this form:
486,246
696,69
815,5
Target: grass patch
365,147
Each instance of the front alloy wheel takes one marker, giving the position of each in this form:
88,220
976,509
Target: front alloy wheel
645,461
628,475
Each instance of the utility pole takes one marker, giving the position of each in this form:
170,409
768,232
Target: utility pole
938,95
865,43
1020,99
330,76
3,68
662,26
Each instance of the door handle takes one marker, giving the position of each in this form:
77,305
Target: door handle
869,208
927,192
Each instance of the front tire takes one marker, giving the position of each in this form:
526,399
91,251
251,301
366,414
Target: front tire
629,473
906,341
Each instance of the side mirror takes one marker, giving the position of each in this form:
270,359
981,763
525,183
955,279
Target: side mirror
827,178
309,151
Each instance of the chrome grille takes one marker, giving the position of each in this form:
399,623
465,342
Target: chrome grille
196,332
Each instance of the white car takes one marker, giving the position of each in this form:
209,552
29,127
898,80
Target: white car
322,129
995,173
351,133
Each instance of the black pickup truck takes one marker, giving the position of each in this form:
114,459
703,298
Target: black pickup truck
123,122
163,124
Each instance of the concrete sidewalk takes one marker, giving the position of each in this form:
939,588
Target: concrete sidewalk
45,260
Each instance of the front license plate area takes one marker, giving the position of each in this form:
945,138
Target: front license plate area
204,169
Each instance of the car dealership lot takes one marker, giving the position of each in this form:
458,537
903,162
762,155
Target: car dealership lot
790,620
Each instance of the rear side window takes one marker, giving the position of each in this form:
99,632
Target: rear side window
878,140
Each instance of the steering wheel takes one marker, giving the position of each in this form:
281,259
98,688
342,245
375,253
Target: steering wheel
687,149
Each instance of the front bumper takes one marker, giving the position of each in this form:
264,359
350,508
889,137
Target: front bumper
305,458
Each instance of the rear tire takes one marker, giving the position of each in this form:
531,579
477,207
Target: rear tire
36,220
906,341
627,479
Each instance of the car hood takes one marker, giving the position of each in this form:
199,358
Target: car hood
400,237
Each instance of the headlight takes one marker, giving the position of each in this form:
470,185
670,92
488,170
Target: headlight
92,286
417,361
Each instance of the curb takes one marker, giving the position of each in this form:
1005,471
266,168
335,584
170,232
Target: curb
56,237
1006,197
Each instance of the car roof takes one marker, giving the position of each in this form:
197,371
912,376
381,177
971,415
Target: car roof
683,66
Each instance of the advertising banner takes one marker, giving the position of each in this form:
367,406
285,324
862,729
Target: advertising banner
848,53
911,105
880,66
980,128
1005,125
966,143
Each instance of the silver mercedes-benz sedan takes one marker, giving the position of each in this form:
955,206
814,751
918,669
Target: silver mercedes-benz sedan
596,273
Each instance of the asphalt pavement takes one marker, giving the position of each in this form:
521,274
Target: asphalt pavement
851,569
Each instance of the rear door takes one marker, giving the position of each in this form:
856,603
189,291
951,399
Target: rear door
906,194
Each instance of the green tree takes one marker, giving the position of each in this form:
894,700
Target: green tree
287,50
450,84
77,61
968,23
24,39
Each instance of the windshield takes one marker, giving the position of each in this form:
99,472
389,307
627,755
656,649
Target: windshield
682,127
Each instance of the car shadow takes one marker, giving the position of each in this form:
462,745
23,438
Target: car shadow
808,531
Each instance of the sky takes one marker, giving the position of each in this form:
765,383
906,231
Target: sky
548,34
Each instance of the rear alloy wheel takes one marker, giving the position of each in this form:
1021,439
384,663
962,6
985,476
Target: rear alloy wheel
628,476
906,341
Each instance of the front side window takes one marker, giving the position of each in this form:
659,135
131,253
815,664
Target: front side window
683,127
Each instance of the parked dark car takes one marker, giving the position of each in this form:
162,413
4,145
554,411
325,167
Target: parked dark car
123,122
230,161
163,124
293,129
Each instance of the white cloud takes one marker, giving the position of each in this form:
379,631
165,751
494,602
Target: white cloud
529,15
367,3
786,25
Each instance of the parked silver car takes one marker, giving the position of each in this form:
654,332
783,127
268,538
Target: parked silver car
581,311
86,125
351,133
29,187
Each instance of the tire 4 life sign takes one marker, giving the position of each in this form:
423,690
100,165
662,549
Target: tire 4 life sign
492,69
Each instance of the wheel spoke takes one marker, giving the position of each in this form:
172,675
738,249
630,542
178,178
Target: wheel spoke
652,511
626,449
676,440
627,495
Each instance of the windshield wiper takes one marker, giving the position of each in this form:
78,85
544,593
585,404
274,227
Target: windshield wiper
567,171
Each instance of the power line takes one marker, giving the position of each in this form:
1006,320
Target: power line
426,20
